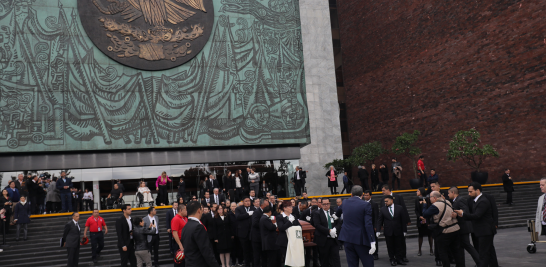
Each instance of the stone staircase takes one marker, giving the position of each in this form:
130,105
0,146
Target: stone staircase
42,247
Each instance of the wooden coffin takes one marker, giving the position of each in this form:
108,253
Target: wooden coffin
308,234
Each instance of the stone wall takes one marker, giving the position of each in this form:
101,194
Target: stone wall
443,66
321,94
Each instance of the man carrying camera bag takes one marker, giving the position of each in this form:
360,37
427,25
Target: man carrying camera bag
444,228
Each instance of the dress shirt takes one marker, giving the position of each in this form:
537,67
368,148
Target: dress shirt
478,197
156,223
88,195
391,209
297,175
130,225
237,182
195,219
76,223
216,199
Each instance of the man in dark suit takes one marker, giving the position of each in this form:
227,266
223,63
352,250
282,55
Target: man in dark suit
258,254
126,245
375,213
63,185
170,215
244,222
398,200
300,206
460,203
217,198
208,221
268,232
326,230
435,186
212,183
207,201
197,248
299,180
357,229
483,224
392,219
363,177
71,240
508,185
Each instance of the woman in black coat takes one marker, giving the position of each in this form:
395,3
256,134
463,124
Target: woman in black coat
285,220
421,203
224,235
5,203
331,175
236,249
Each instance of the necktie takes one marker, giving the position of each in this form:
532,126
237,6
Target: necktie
77,225
390,210
544,210
329,220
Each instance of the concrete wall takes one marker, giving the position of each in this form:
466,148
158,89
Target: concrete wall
444,66
321,94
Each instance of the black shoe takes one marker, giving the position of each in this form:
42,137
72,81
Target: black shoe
419,253
393,263
405,260
439,263
401,262
375,257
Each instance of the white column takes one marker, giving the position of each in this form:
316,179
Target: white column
321,88
96,194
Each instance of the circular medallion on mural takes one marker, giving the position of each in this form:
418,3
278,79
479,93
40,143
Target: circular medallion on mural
148,34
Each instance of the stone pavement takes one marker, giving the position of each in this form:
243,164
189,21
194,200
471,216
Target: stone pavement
510,244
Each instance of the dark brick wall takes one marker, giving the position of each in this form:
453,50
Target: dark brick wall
443,66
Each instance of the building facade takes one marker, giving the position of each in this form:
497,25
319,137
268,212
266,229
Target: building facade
96,85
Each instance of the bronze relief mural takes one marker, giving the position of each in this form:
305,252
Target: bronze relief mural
244,86
148,34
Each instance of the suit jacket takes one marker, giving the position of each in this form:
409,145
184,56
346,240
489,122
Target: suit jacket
481,216
398,200
393,226
494,209
357,225
147,222
22,213
375,213
244,222
268,232
204,202
170,216
71,235
303,176
307,213
122,230
461,203
507,183
208,222
284,223
221,198
296,212
255,226
197,247
322,232
60,185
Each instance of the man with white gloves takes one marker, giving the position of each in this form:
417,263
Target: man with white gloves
392,219
357,230
326,235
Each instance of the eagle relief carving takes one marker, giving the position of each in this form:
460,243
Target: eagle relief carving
150,30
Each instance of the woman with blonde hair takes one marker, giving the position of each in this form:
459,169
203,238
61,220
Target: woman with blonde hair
161,185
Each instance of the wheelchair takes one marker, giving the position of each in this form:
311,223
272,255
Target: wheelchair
140,200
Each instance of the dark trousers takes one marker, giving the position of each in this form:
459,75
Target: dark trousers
394,247
374,185
464,243
247,250
163,195
34,205
509,197
333,190
329,253
129,255
424,180
66,200
281,256
236,252
404,249
271,256
97,243
486,249
153,247
298,186
394,179
181,264
345,188
446,244
73,256
355,252
88,204
259,255
172,244
364,184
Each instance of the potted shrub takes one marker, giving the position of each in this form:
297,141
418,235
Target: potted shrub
404,145
465,146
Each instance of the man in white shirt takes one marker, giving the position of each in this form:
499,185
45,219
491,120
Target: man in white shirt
124,229
153,239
